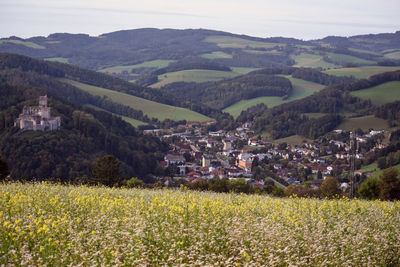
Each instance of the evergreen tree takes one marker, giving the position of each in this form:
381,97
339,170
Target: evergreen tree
107,171
389,185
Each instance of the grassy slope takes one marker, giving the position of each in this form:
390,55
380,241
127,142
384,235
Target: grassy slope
312,61
234,42
393,55
381,94
301,89
348,59
150,108
374,168
133,122
19,42
58,59
216,54
361,72
160,63
364,123
197,76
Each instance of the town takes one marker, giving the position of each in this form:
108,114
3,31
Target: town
198,155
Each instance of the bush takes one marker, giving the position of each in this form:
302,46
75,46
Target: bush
240,185
369,189
330,187
134,183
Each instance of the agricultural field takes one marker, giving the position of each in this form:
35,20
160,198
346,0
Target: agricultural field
19,42
235,42
393,55
360,72
150,108
260,52
365,123
56,225
197,76
160,63
312,61
348,59
58,59
381,94
291,140
216,54
301,89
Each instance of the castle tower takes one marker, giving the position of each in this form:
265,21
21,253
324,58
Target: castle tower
43,101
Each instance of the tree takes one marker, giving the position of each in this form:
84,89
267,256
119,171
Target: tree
240,185
4,171
389,185
369,189
219,185
134,182
330,187
107,171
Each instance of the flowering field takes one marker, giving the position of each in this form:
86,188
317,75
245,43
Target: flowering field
66,225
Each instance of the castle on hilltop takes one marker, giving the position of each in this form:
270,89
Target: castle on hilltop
38,118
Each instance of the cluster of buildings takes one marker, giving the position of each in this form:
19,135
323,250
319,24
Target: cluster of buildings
196,155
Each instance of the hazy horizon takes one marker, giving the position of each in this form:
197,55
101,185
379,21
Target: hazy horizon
304,19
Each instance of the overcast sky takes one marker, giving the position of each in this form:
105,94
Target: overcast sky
303,19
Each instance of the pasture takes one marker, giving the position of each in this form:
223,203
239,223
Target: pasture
381,94
58,225
216,54
365,123
197,76
301,89
235,42
150,108
58,59
312,61
133,122
361,72
20,42
344,59
393,55
160,63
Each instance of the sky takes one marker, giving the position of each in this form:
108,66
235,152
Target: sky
302,19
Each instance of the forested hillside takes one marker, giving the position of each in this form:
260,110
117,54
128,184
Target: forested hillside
70,153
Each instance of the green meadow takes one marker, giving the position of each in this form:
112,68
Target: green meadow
133,122
216,54
361,72
235,42
381,94
301,89
58,59
200,76
340,58
393,55
19,42
160,63
312,61
364,123
197,76
150,108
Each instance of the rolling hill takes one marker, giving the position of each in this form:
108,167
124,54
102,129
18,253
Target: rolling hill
139,103
130,54
150,108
